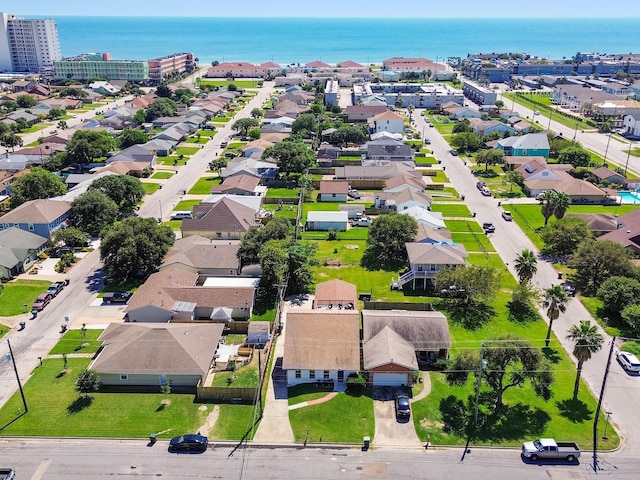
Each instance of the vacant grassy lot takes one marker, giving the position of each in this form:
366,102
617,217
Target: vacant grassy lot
56,409
18,293
226,83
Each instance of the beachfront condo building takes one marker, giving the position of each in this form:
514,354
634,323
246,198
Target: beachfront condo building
28,45
100,65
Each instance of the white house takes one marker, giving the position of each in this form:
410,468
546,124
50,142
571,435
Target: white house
324,221
424,216
387,122
631,124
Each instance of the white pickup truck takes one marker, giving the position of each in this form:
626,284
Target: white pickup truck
549,448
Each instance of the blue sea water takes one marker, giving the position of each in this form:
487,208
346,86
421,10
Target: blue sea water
365,40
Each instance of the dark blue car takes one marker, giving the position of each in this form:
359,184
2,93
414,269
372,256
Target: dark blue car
189,443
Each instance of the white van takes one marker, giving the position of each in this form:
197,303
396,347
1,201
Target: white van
180,215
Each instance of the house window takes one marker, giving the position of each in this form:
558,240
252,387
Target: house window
312,374
124,376
298,374
31,227
325,375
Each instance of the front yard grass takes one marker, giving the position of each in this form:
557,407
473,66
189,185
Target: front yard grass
233,422
283,193
450,210
246,376
346,418
56,409
162,175
71,342
173,160
150,187
18,293
187,150
473,242
203,185
185,205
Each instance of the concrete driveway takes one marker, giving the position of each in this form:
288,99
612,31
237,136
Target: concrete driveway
390,431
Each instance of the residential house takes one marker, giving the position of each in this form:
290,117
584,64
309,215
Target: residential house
333,191
390,150
402,200
204,256
394,340
461,113
175,295
604,174
482,127
253,202
406,181
427,259
362,113
422,215
135,153
240,185
325,221
354,210
335,294
104,88
151,355
258,334
515,162
628,232
19,249
256,148
352,173
265,171
598,223
631,124
427,234
387,121
321,347
531,144
224,220
42,217
448,108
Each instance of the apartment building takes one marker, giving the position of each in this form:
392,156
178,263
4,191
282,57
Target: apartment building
28,45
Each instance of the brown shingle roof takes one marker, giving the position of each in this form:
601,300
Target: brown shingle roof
322,341
334,186
424,330
337,292
428,253
204,255
246,183
387,347
223,216
37,211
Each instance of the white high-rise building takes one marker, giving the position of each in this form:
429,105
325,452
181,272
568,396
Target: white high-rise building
28,45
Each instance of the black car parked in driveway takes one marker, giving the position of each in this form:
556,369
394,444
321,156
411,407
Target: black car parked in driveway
116,297
192,442
403,406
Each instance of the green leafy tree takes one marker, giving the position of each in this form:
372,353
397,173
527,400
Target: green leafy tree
557,144
86,145
631,318
564,236
576,156
161,107
134,244
526,265
10,105
466,141
163,91
596,261
301,259
56,113
291,157
586,341
140,117
10,140
130,136
510,362
244,124
462,126
26,101
274,264
126,191
555,300
305,123
512,177
548,204
38,183
254,133
491,156
93,211
468,285
256,113
346,134
385,248
617,293
88,382
217,165
71,237
561,204
278,228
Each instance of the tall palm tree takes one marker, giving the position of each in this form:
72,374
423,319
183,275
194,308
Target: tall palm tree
560,205
555,301
586,340
547,200
526,265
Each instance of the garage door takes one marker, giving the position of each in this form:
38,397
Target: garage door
389,379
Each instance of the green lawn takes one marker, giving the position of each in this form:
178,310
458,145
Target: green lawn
194,139
346,418
283,193
18,293
150,187
162,175
347,252
186,205
3,330
55,409
233,421
226,83
473,242
425,161
203,185
288,211
357,233
173,160
470,226
71,342
436,176
186,150
246,376
451,209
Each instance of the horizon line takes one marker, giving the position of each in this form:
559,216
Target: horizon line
436,17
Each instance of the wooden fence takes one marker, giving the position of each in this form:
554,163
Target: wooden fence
414,307
227,394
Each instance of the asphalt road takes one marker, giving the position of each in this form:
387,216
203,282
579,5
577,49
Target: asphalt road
107,459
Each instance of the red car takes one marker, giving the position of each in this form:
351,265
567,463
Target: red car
41,302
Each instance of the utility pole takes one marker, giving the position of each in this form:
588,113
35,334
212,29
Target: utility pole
606,150
627,163
597,415
15,369
481,367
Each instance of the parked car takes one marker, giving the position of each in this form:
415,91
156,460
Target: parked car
7,474
403,406
629,361
41,302
549,448
454,153
481,185
427,141
488,227
55,288
507,216
192,442
485,191
224,144
116,297
354,193
59,252
569,288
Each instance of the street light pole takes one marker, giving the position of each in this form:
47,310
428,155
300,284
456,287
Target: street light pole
575,134
481,367
550,113
604,160
627,163
160,204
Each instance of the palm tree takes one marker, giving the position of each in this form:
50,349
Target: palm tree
547,200
526,265
586,340
555,301
511,177
560,204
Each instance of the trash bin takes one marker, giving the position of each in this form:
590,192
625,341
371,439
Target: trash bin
152,438
365,443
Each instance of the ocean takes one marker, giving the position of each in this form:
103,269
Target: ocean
364,40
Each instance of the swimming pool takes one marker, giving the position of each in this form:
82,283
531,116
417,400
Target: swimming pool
628,197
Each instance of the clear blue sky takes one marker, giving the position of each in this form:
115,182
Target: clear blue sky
328,8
